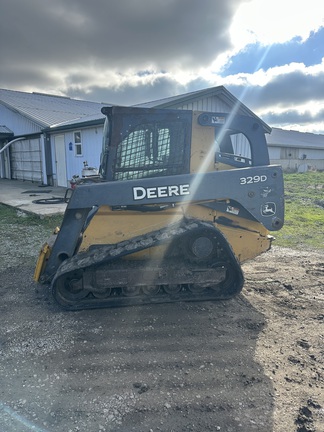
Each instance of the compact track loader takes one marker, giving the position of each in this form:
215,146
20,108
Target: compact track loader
181,200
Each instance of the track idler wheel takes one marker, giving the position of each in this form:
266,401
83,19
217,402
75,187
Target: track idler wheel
201,246
70,287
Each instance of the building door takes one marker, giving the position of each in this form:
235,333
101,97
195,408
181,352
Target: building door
25,160
60,161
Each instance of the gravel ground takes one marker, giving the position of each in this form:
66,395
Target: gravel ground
255,362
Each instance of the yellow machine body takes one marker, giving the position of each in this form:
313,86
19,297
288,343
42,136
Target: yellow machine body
109,227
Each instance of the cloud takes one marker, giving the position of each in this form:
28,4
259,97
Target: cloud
275,21
286,89
131,51
117,35
303,121
256,56
135,90
284,96
122,51
291,116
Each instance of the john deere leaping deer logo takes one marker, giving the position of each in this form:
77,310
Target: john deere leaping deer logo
268,209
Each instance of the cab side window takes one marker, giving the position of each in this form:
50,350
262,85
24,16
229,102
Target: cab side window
233,149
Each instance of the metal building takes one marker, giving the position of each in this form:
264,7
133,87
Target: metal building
25,120
296,151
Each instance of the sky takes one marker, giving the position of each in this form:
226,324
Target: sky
268,53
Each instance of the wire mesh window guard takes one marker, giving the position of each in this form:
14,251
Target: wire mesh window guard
149,150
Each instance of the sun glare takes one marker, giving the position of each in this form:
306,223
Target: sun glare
267,21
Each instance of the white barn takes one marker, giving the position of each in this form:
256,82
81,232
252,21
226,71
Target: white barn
36,155
296,151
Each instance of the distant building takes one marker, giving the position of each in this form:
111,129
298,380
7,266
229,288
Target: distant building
296,151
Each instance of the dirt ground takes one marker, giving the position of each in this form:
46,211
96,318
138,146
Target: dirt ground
254,363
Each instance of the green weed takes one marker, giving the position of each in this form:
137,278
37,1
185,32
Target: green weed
304,211
12,215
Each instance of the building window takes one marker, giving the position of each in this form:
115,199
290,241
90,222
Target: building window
77,144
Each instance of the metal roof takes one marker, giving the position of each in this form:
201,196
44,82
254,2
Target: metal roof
81,121
46,110
60,112
220,91
290,138
182,98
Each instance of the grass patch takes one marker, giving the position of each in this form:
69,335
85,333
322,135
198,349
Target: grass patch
304,211
12,215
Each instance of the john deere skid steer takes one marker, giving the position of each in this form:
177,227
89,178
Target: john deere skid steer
182,199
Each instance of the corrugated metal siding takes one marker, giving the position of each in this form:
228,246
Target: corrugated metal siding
213,104
18,124
295,159
91,139
296,151
241,145
25,159
274,152
216,99
187,98
212,99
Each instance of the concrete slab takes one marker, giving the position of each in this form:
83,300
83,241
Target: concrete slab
24,195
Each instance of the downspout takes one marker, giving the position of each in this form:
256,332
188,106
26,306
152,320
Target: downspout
11,142
43,159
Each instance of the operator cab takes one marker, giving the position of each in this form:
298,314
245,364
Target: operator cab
140,143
